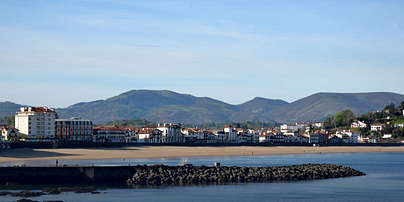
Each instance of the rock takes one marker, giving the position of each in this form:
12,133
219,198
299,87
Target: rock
52,191
85,190
27,194
5,193
76,189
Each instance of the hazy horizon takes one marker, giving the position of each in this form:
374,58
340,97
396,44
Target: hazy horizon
58,53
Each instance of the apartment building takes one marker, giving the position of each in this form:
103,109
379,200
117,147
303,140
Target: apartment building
36,123
74,129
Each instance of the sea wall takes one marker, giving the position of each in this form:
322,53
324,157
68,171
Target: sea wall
169,175
188,174
66,175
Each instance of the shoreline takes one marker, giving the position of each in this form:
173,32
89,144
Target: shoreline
153,152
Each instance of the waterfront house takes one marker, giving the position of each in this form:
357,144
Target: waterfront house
231,134
190,135
264,137
295,139
334,140
171,133
348,136
149,135
198,136
317,138
9,133
112,134
246,138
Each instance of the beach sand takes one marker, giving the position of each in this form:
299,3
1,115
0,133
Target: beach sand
178,151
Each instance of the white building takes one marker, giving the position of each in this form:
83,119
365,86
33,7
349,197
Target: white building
348,136
112,134
387,136
376,127
231,134
290,133
171,133
264,138
36,123
289,127
399,125
192,135
292,127
358,124
296,139
318,124
149,135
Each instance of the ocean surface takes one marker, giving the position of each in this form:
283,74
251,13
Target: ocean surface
384,182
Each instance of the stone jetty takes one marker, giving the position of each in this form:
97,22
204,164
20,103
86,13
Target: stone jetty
166,175
157,175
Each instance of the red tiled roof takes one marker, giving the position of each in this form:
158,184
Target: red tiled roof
6,127
39,109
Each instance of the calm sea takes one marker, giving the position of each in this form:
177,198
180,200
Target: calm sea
384,182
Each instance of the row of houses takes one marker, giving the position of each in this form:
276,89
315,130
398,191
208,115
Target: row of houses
43,124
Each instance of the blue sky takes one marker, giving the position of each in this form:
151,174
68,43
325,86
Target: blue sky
57,53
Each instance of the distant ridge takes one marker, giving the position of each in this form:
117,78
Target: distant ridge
320,105
169,106
8,108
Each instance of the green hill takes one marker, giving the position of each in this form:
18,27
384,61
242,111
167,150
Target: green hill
168,106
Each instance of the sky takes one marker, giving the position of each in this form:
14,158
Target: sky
58,53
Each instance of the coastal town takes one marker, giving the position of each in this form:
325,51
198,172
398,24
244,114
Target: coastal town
41,124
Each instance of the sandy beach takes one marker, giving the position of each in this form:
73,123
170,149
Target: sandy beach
177,151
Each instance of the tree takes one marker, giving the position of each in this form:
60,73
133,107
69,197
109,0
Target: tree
344,119
328,123
7,120
390,109
401,106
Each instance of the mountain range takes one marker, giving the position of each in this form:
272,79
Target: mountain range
169,106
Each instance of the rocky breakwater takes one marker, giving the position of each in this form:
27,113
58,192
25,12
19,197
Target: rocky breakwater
156,175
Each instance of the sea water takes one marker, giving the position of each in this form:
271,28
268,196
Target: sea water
384,180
